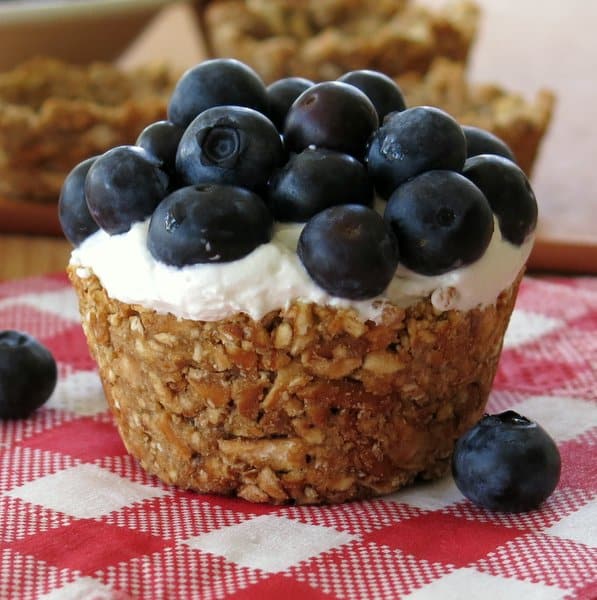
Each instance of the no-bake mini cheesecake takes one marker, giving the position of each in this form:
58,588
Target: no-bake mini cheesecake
311,314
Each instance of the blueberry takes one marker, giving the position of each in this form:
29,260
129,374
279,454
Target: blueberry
481,141
316,179
217,82
161,139
331,115
441,220
123,186
383,92
349,252
208,223
413,141
509,193
230,145
73,213
281,94
507,463
27,374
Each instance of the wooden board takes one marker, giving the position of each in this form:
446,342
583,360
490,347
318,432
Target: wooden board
565,179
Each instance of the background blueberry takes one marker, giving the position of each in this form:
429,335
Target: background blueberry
481,141
331,115
349,252
506,462
410,142
161,139
314,180
281,94
27,374
509,193
208,223
75,219
231,145
217,82
383,92
123,186
441,221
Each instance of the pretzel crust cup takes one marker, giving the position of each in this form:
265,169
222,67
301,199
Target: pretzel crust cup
308,405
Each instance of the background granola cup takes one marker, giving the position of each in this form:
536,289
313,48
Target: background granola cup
425,50
53,115
322,39
309,405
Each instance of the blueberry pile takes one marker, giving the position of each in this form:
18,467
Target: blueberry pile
234,156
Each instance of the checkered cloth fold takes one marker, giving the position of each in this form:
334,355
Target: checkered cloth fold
79,519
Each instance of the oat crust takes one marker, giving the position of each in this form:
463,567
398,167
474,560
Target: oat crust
308,405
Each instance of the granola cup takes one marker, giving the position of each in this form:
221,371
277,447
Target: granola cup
53,115
521,123
310,404
322,39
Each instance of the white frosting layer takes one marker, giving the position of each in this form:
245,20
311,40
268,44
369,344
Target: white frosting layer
272,276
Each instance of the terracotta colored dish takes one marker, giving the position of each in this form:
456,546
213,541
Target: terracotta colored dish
27,217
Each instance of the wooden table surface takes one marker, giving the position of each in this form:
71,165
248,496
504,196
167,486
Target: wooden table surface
22,256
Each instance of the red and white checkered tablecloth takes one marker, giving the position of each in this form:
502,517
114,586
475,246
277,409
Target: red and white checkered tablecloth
79,519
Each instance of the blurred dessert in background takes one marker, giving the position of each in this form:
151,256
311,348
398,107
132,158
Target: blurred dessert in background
54,114
519,122
425,50
321,39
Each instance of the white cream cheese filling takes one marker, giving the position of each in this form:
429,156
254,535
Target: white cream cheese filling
272,276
